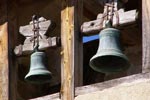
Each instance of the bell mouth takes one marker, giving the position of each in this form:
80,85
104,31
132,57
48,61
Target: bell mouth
38,77
109,63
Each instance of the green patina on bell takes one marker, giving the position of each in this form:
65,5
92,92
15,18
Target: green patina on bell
38,72
109,57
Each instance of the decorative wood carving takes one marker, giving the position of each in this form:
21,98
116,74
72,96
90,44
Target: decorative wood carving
125,18
44,41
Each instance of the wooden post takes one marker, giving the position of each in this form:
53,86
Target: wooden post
4,73
146,35
4,94
7,67
71,47
12,16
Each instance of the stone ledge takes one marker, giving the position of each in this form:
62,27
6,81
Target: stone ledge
141,81
111,83
135,87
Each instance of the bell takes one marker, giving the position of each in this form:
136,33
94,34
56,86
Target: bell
38,72
109,57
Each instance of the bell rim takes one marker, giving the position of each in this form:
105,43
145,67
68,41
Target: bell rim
111,54
46,73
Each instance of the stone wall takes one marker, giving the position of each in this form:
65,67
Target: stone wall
131,89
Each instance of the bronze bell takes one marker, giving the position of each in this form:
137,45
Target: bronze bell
109,57
38,72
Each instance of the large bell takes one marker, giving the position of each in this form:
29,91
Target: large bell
109,57
38,72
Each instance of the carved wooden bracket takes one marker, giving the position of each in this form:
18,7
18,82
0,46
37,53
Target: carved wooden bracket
44,41
94,27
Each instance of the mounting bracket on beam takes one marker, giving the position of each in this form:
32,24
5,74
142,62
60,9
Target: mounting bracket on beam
120,18
44,41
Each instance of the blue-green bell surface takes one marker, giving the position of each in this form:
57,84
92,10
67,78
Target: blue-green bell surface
109,57
38,72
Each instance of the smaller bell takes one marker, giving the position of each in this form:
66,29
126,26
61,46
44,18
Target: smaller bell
38,72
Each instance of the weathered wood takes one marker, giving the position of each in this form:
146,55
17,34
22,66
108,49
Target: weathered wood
4,79
93,7
27,30
44,43
71,47
78,44
4,72
93,27
101,86
146,35
12,16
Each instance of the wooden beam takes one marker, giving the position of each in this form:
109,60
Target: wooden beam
12,18
93,7
78,45
146,35
44,43
4,68
4,79
94,27
71,47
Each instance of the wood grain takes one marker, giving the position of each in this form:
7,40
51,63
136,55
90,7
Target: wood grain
44,43
70,47
93,27
12,16
67,68
4,93
4,73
